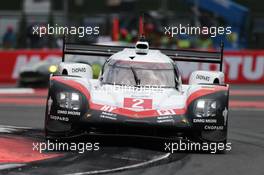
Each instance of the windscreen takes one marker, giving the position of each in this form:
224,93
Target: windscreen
139,73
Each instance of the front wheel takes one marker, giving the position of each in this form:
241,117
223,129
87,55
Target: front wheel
214,141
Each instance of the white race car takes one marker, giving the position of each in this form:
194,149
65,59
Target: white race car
139,92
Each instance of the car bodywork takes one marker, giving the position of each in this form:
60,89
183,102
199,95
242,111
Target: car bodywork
139,92
37,74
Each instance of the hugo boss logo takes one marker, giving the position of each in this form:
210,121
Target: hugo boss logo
202,77
76,70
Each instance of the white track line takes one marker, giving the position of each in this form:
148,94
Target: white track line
15,127
10,129
16,91
124,167
10,165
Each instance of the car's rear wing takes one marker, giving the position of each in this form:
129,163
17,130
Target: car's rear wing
175,54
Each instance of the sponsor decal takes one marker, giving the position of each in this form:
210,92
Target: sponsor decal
202,77
65,112
54,117
166,112
204,120
167,121
61,112
107,116
106,113
162,119
77,70
108,108
74,113
209,127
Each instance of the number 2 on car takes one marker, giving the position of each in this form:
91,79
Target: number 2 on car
138,103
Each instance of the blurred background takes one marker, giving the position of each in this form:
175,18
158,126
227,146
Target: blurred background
246,17
21,51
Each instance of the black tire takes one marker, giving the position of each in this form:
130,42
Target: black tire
217,146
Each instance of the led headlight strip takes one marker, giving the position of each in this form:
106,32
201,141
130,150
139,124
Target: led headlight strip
205,108
69,100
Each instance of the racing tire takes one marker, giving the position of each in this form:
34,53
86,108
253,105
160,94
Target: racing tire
219,146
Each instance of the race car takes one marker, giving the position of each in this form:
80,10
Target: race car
139,92
37,74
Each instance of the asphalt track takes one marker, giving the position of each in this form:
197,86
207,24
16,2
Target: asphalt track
25,108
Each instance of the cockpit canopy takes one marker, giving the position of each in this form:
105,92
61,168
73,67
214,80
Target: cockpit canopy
132,73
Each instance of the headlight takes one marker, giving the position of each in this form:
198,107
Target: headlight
69,100
53,69
205,108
